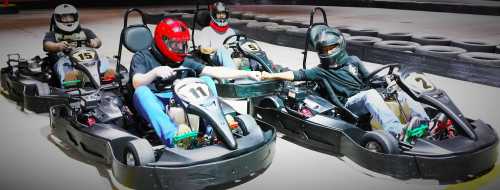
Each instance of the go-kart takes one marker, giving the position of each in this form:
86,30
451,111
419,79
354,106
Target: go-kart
220,149
452,147
34,85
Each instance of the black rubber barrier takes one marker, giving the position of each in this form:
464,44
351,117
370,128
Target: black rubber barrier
451,67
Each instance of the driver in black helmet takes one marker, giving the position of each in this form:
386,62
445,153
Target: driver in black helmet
348,78
67,33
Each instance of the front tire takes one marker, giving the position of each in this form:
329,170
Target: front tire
380,141
138,153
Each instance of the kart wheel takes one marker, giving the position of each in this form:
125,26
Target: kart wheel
431,40
380,141
474,45
138,153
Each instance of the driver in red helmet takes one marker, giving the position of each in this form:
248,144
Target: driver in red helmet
168,51
210,39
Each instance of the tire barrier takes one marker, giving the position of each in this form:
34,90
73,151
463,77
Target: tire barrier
365,40
497,49
432,57
474,45
431,40
297,37
397,45
402,36
235,14
489,59
280,34
276,19
238,24
248,16
292,22
443,66
363,32
343,28
346,35
256,29
439,51
262,18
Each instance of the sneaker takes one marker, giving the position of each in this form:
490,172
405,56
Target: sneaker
416,128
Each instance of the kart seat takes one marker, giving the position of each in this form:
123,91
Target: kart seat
137,37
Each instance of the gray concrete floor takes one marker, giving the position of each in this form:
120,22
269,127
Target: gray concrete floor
29,159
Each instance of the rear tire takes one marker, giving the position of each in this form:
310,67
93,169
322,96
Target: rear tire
380,141
138,153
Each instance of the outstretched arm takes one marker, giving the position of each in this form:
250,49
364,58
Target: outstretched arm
227,73
278,76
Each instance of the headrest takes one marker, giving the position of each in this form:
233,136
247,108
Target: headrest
137,37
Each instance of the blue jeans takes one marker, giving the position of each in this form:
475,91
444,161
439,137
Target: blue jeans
151,107
370,101
63,66
223,57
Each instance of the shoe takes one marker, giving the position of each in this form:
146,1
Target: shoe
416,128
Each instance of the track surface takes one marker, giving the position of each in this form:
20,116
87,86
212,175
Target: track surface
30,159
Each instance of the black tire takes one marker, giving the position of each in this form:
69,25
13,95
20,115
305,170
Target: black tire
397,45
291,22
282,38
297,37
276,19
235,14
240,24
343,28
262,18
431,40
402,36
362,40
363,32
439,51
273,33
498,49
490,59
256,29
474,45
248,16
387,143
138,153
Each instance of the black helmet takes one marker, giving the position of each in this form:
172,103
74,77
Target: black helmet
219,14
330,45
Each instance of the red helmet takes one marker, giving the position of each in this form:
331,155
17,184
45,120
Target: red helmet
171,39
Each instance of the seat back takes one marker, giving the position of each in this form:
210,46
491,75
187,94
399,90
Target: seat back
137,37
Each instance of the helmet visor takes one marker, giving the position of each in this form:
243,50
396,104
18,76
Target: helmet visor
67,18
327,51
176,46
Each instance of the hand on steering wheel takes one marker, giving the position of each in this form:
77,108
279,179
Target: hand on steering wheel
164,72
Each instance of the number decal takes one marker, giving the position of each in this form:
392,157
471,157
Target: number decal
425,86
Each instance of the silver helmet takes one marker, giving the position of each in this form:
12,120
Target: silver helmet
66,18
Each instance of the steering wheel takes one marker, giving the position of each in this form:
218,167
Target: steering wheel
233,44
180,73
79,43
372,76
